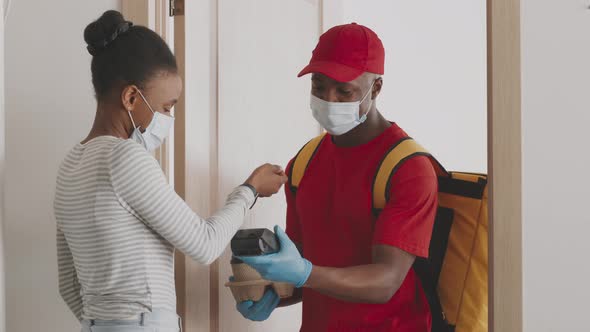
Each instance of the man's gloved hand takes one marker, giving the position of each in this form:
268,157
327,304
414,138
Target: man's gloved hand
260,310
285,266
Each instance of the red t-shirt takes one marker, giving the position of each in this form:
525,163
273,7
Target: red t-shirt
331,217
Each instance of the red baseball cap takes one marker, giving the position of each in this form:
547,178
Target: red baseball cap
345,52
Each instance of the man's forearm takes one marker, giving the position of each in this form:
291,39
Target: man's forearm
372,283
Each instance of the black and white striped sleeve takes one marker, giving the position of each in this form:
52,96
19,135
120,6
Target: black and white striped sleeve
141,188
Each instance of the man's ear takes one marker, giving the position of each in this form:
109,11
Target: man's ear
377,87
130,97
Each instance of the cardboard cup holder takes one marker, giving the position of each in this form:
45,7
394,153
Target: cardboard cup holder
244,272
283,289
248,285
248,290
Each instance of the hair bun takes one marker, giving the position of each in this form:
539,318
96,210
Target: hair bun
100,33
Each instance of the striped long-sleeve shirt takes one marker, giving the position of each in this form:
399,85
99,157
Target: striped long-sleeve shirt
118,222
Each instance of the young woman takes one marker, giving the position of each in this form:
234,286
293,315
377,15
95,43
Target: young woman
118,221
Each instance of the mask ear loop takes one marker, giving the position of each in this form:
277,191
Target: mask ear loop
148,105
369,91
133,122
363,118
146,102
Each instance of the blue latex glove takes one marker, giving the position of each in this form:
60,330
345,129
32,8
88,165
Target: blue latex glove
260,310
285,266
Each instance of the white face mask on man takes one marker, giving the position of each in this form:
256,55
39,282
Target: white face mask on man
338,118
156,131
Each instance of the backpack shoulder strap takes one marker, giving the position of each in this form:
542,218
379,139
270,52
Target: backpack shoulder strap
393,159
301,161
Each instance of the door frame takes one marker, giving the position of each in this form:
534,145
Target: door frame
505,166
188,157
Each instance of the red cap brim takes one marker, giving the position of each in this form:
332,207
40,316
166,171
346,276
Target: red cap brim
333,70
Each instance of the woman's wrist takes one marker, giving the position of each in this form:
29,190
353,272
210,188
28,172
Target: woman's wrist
254,192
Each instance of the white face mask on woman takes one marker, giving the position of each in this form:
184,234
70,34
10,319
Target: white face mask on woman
156,131
338,118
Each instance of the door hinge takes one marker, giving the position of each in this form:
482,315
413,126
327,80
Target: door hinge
176,7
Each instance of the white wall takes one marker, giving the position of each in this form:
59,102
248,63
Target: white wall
556,114
49,107
435,71
2,140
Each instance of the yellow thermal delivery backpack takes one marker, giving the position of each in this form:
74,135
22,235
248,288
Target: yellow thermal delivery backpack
455,275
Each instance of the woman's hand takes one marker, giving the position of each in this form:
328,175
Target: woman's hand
267,179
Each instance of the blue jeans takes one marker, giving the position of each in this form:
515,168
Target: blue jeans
155,321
